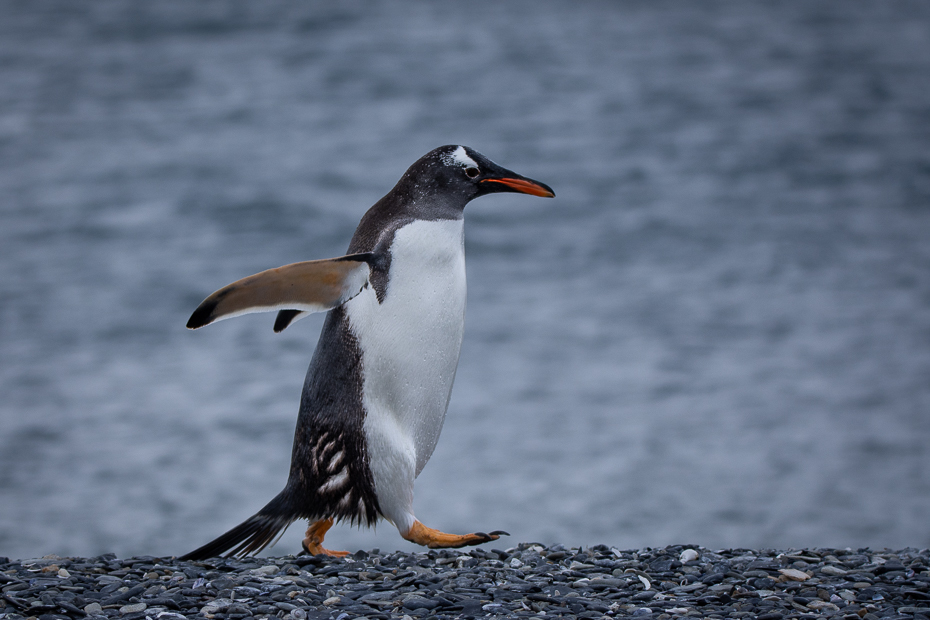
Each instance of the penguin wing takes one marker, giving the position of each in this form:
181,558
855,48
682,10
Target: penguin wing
310,286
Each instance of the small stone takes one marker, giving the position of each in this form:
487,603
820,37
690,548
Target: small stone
265,609
736,584
246,592
912,610
108,579
63,573
688,555
237,609
821,605
217,604
794,574
418,602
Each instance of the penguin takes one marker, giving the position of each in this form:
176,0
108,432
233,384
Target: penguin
379,382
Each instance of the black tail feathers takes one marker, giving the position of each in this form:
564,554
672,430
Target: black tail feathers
249,537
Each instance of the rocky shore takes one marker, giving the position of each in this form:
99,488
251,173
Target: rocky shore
529,581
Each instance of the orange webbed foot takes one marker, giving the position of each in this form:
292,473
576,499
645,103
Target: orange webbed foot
313,539
434,539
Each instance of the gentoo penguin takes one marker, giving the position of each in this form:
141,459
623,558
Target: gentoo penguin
379,382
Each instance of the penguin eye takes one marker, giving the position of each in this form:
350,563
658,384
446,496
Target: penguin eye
472,172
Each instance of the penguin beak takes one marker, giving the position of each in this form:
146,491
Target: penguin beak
515,183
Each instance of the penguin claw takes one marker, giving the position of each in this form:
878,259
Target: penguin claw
500,533
319,550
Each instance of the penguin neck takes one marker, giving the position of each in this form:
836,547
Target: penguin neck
423,199
409,201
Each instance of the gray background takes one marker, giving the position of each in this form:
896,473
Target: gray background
717,334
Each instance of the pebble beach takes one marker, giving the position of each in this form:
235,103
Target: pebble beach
527,581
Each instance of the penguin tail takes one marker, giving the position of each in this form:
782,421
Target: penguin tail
247,538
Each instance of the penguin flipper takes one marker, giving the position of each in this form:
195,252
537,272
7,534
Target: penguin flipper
285,318
309,286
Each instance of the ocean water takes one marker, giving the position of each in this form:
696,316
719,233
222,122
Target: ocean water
718,333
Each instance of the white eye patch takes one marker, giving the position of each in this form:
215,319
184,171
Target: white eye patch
459,157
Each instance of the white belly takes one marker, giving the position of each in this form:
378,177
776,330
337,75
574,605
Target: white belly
410,347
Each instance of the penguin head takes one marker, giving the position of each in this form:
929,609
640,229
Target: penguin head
460,174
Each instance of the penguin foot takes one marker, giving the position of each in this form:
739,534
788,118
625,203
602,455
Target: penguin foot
434,539
313,539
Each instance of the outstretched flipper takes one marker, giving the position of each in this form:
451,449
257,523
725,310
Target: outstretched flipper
310,286
285,318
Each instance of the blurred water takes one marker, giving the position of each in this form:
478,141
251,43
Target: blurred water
718,333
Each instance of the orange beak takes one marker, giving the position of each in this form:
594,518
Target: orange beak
525,187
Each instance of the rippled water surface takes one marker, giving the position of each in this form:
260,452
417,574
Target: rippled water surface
718,333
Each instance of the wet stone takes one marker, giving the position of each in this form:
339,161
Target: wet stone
521,581
418,602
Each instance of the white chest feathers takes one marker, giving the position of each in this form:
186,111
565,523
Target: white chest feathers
410,345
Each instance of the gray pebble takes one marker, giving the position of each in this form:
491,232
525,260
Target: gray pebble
418,602
524,581
93,609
